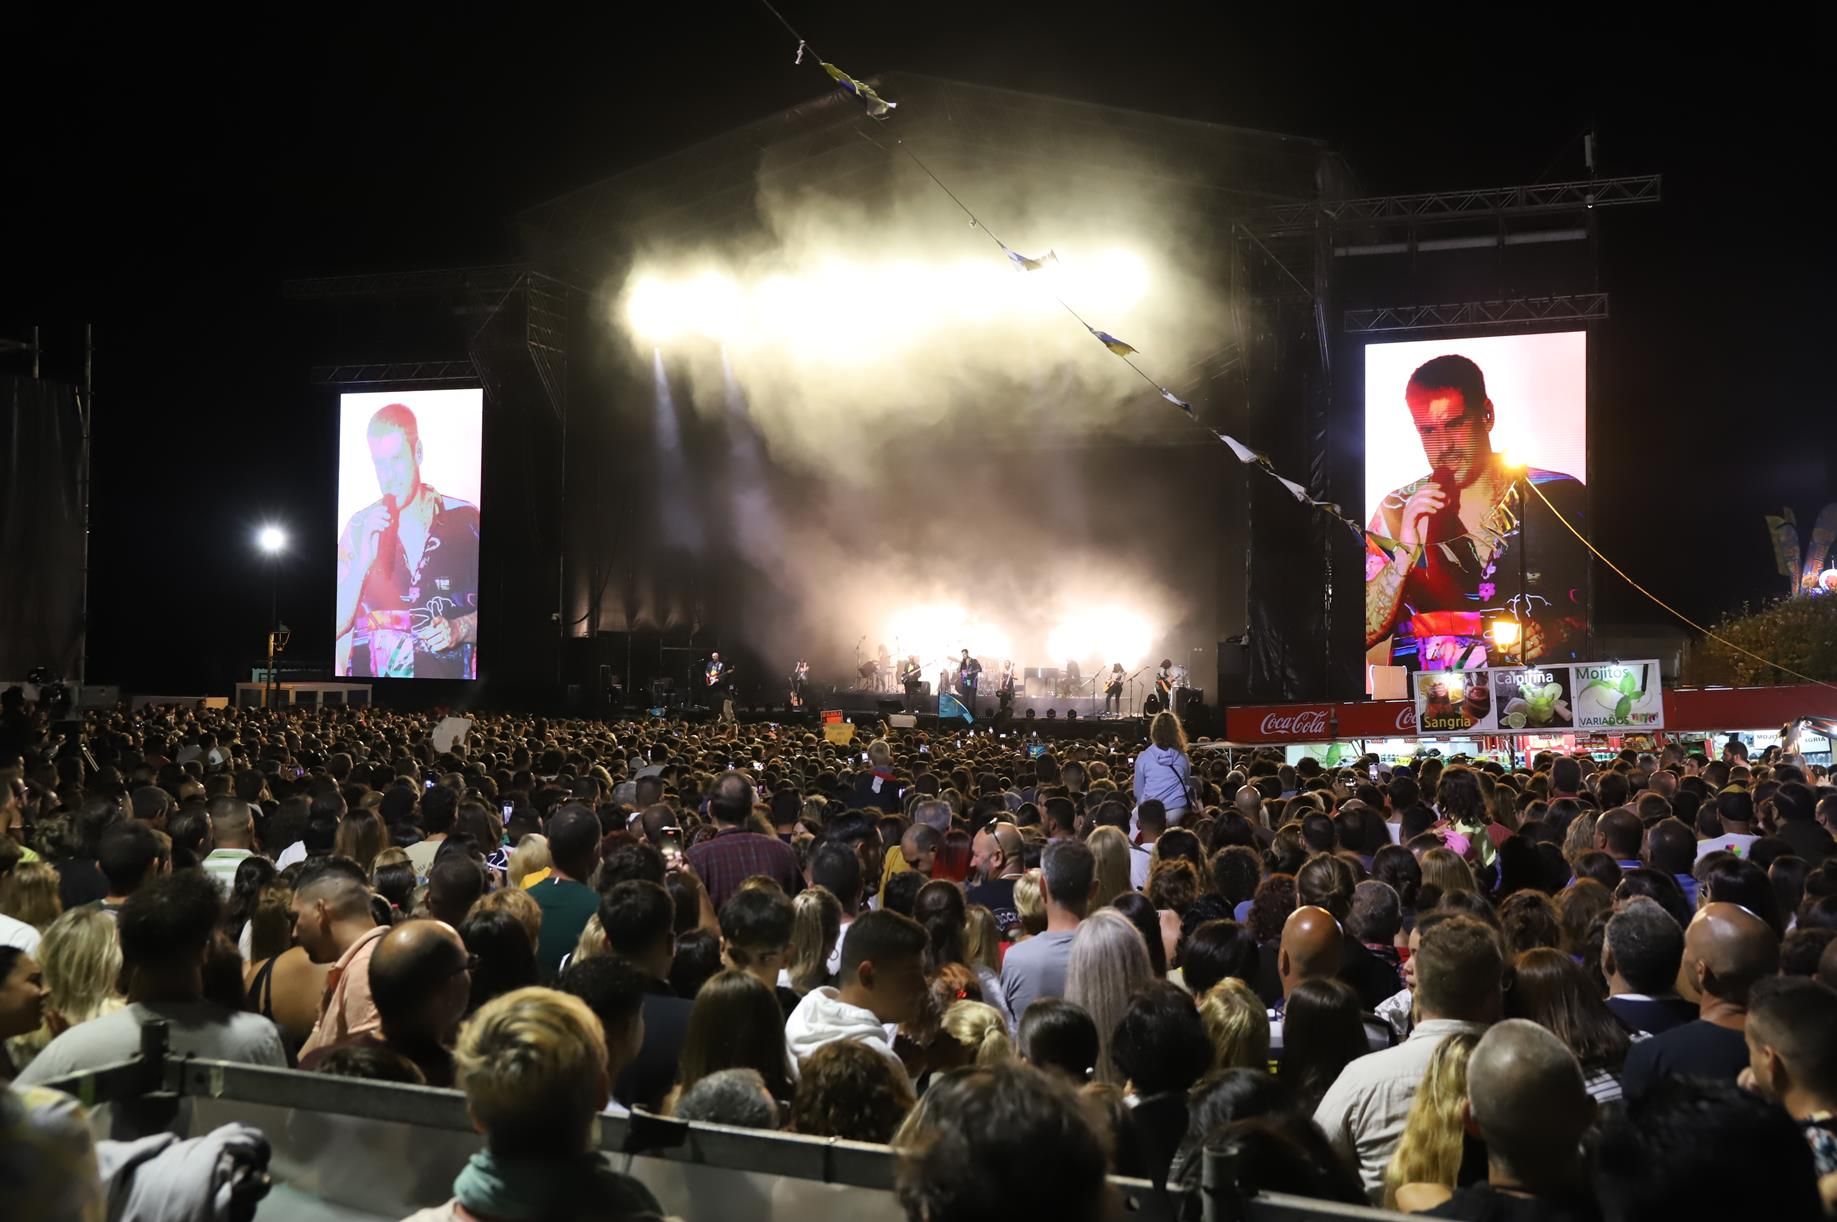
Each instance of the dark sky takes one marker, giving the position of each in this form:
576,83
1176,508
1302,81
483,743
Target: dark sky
168,171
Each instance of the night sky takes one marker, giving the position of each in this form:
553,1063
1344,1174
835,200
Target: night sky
168,172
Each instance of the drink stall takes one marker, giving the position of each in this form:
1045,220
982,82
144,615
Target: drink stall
1596,708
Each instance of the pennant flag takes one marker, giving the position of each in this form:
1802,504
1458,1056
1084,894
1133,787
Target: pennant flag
877,106
1244,453
1295,490
1112,343
1178,402
950,706
1031,265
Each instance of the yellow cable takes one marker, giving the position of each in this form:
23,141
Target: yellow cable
1621,573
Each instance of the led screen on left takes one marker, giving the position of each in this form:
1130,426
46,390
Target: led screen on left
408,517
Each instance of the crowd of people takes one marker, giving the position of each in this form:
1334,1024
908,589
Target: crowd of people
1576,989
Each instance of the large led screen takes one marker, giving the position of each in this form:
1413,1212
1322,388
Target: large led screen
408,511
1475,456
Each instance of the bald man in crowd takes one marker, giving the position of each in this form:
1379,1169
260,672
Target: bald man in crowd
1313,947
1727,949
421,980
1527,1103
996,861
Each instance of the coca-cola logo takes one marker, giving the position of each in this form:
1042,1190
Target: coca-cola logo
1406,719
1296,723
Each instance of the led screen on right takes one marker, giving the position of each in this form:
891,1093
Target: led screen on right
1475,457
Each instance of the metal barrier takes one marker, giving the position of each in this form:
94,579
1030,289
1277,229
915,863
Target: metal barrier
349,1150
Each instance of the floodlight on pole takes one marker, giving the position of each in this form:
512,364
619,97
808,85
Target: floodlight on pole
272,540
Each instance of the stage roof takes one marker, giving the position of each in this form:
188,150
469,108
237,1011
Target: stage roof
967,134
1192,176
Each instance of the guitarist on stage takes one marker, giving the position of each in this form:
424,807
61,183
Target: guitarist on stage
800,679
1164,684
719,679
969,670
909,679
1113,689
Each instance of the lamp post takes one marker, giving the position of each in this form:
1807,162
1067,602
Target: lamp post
273,541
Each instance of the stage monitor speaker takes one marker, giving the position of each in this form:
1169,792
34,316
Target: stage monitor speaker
1186,698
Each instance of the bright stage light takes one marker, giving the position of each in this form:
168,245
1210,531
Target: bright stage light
272,540
939,633
1101,635
844,311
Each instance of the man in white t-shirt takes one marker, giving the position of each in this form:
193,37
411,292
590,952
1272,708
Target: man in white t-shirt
1735,808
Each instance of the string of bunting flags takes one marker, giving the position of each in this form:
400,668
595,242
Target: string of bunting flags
879,108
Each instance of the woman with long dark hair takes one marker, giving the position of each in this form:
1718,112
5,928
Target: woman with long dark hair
1322,1032
506,956
942,910
1146,918
1554,991
736,1023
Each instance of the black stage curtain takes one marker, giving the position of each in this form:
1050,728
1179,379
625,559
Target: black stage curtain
41,527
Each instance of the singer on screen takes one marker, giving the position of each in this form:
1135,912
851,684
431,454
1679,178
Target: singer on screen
1451,556
407,568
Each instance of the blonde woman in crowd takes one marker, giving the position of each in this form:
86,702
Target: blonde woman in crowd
1429,1152
529,861
816,924
1111,849
1030,903
979,1032
1109,962
1238,1024
982,939
80,957
592,941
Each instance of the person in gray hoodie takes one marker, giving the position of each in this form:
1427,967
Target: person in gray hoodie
1162,771
882,985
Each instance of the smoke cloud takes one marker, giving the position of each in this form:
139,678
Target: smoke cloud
929,439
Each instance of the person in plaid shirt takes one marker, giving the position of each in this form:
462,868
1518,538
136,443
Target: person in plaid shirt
734,854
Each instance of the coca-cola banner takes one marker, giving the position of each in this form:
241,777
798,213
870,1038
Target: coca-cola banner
1302,723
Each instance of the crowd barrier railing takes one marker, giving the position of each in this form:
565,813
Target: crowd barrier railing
355,1150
